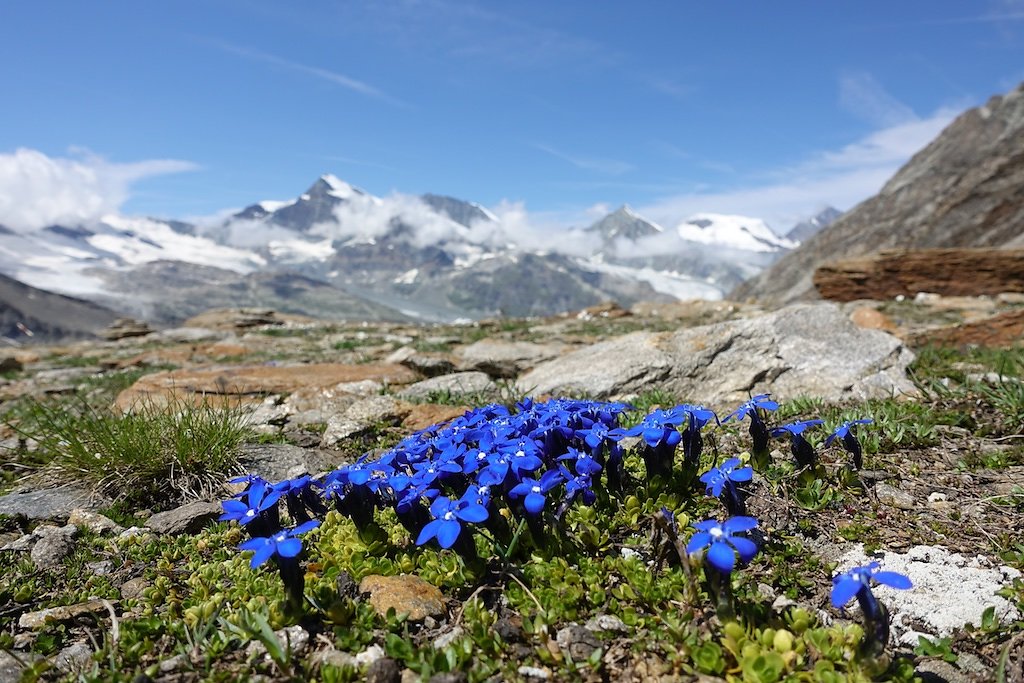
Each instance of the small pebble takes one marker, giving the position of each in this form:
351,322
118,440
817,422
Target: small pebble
533,672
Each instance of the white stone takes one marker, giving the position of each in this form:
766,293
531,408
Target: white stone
950,590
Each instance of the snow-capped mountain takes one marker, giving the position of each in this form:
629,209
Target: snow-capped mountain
702,257
624,223
337,250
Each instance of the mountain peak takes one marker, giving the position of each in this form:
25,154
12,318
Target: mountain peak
804,229
624,222
331,185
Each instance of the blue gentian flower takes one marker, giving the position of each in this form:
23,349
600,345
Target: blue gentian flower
660,438
799,446
729,471
722,543
723,479
695,417
844,432
751,406
796,428
758,430
283,543
857,582
584,463
448,517
259,497
534,491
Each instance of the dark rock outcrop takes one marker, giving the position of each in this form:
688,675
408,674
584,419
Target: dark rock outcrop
965,189
31,314
949,272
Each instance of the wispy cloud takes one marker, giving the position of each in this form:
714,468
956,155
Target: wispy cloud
323,74
607,166
864,97
841,178
37,190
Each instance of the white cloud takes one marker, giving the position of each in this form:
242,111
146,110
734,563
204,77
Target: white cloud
37,190
841,178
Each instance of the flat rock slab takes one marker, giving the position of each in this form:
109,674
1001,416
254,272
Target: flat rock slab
253,382
279,461
187,519
407,594
1002,330
456,384
51,504
950,590
63,613
800,350
362,416
905,272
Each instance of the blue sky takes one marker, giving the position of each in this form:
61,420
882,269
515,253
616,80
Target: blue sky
564,109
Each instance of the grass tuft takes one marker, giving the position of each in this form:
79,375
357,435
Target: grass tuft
150,457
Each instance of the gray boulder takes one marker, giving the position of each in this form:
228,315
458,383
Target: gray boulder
456,384
805,349
53,504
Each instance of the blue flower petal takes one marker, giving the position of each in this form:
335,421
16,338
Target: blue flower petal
473,513
746,548
428,531
742,474
721,556
845,588
534,503
893,579
736,524
289,547
262,554
305,527
697,541
448,533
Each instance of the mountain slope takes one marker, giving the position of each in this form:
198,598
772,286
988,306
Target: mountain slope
168,292
48,316
965,189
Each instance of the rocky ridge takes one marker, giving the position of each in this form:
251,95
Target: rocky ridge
962,190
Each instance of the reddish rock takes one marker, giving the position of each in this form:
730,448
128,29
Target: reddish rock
1001,331
250,383
238,319
423,415
948,272
407,594
869,318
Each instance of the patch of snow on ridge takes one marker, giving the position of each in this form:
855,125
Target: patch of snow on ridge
339,188
677,285
272,205
740,232
141,240
408,277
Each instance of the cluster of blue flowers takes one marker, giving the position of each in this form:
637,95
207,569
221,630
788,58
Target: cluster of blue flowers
538,458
